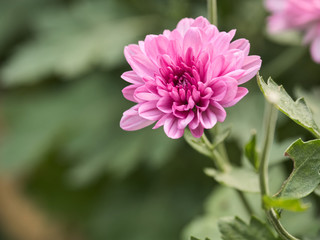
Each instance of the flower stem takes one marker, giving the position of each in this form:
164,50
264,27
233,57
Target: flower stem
270,119
212,12
220,162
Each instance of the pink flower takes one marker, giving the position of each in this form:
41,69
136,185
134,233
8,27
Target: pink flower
301,15
186,77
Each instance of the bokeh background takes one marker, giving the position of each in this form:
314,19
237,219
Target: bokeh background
67,170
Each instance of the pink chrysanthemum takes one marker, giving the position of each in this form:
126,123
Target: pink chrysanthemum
301,15
186,77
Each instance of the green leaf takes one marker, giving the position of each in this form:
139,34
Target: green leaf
222,202
71,43
251,152
290,204
221,136
239,178
237,229
197,143
312,99
305,176
298,110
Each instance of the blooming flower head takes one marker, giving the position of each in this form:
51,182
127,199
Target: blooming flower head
185,78
301,15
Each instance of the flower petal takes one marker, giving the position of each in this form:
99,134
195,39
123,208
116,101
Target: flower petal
171,128
132,77
149,110
197,132
131,120
208,118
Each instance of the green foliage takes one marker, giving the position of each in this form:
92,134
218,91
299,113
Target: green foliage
312,98
239,178
222,202
237,229
290,204
305,176
250,151
197,143
298,111
69,44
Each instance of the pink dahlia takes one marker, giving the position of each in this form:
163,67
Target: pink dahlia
301,15
186,78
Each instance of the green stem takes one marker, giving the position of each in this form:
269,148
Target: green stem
270,119
212,12
217,158
221,160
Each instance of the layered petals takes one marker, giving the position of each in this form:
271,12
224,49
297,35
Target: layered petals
185,78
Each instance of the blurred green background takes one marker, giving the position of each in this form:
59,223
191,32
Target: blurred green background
67,170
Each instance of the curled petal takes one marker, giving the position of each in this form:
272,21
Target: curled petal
208,118
128,92
132,77
131,120
197,132
171,128
149,110
240,94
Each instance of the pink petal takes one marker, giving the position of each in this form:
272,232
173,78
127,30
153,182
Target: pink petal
156,46
165,104
197,132
240,94
171,128
128,92
131,120
131,77
208,118
200,22
218,111
184,25
215,67
184,122
232,88
219,89
315,49
242,44
149,110
140,64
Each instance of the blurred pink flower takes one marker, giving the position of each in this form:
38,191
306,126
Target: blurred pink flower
186,77
301,15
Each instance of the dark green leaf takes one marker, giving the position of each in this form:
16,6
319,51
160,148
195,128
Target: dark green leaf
251,151
305,176
298,110
237,229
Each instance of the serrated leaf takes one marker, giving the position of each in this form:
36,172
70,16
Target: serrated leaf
237,229
297,110
239,178
197,143
312,98
290,204
305,176
250,151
